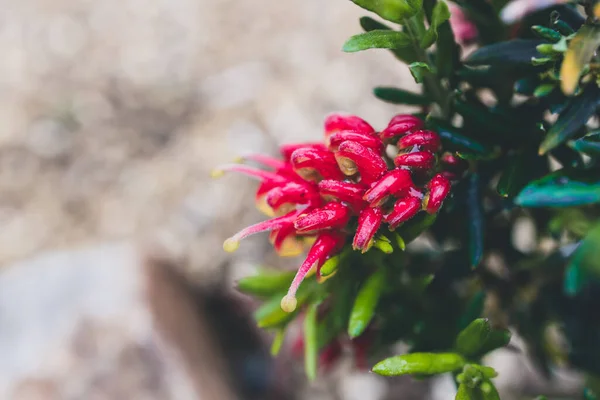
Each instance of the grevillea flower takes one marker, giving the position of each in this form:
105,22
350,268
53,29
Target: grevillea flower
439,187
323,194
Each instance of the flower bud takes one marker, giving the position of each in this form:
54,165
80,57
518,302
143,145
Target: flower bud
439,187
400,125
330,216
286,197
453,167
353,157
425,140
366,139
286,150
326,244
345,122
369,222
315,164
418,160
394,182
404,209
348,192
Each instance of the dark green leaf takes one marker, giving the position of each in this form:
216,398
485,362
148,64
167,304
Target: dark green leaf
544,90
476,221
311,347
546,33
474,309
369,24
400,96
589,144
410,230
379,39
365,304
391,10
520,169
495,340
577,113
454,139
516,52
471,339
418,71
440,14
266,283
562,188
447,54
420,363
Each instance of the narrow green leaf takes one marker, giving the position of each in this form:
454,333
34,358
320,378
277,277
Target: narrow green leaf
584,262
579,110
581,50
266,283
544,90
311,346
400,96
476,221
440,14
454,139
277,342
589,144
333,263
369,24
516,52
391,10
561,188
465,393
418,71
520,168
546,33
410,230
495,340
379,39
471,339
365,304
420,363
473,310
270,314
447,59
489,391
405,54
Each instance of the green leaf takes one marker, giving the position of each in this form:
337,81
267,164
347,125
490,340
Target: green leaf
270,314
277,342
411,229
440,14
420,363
447,57
546,33
489,391
584,262
579,110
589,144
454,139
405,54
465,393
495,340
476,221
471,339
391,10
369,24
563,188
266,283
544,90
365,304
512,53
520,169
332,264
400,96
581,50
418,71
311,346
473,310
378,39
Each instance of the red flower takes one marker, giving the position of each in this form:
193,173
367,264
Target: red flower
315,164
366,139
353,157
425,140
345,122
369,222
400,125
393,183
418,160
348,192
439,187
404,209
330,216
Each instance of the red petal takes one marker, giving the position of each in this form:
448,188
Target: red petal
330,216
292,193
394,182
315,164
345,122
353,156
368,224
439,187
426,140
404,209
286,150
417,159
366,139
351,193
399,125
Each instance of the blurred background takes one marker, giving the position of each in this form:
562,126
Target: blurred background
114,284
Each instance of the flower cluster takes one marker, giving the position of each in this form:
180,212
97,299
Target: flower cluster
320,190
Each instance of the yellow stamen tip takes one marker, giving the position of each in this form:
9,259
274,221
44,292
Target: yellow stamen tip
288,303
239,160
217,173
230,245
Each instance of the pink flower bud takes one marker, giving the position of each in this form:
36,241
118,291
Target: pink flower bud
394,182
327,243
353,157
369,222
400,125
418,160
292,194
330,216
286,150
345,122
348,192
315,164
404,209
366,139
426,140
439,187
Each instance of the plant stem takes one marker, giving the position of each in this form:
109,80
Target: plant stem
431,81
